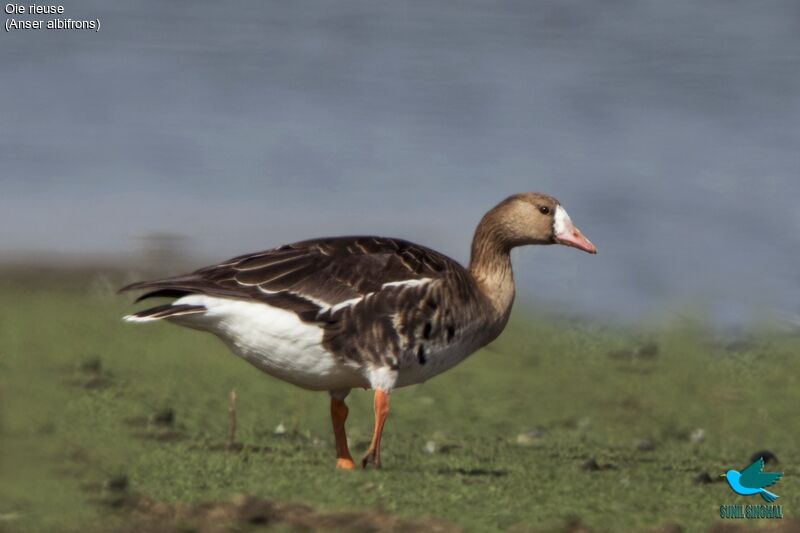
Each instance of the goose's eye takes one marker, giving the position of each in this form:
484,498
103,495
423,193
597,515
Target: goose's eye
544,210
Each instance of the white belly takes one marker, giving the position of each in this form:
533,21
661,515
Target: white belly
274,340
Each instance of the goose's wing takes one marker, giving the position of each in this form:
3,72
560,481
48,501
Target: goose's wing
310,276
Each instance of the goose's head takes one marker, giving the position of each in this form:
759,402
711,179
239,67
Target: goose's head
535,218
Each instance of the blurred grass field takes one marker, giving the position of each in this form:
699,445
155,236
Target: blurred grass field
555,425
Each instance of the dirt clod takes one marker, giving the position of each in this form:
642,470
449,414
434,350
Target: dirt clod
89,374
164,417
590,465
92,365
768,456
648,350
703,478
116,483
787,525
669,527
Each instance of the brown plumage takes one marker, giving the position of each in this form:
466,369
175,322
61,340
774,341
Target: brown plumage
369,311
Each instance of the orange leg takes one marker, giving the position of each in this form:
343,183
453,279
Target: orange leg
373,455
338,416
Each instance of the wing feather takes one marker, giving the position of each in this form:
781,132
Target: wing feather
310,275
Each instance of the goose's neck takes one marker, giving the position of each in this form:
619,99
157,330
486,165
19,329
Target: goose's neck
490,267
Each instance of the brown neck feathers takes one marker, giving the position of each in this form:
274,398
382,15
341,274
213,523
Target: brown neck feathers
490,264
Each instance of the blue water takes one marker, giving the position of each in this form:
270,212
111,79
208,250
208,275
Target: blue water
669,130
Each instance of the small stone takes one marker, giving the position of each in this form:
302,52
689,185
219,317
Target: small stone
280,430
646,445
430,447
698,436
531,438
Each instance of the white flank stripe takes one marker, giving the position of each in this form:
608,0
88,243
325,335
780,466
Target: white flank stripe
134,318
273,263
324,305
347,303
267,291
406,283
354,301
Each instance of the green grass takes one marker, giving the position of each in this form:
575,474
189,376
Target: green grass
577,384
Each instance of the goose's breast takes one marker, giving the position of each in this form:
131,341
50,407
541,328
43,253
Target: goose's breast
424,362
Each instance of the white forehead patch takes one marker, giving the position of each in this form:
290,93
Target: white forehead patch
561,223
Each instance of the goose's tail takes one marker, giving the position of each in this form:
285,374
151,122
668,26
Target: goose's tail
165,311
176,287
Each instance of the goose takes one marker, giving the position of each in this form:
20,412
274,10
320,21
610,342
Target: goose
339,313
